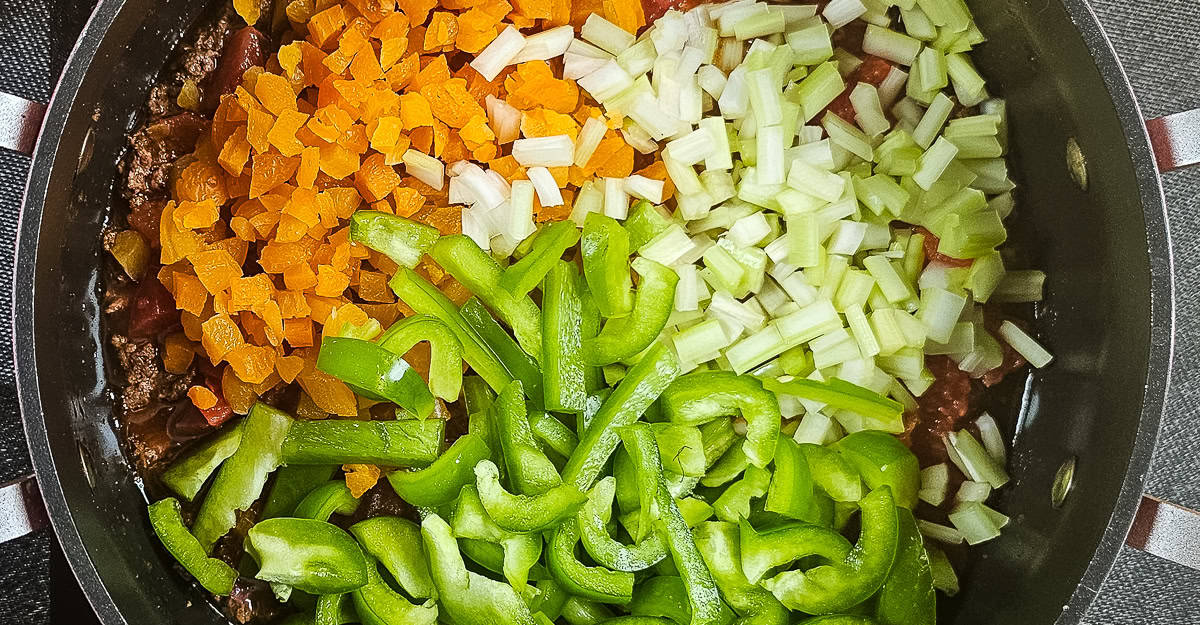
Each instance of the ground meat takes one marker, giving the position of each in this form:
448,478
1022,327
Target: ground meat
153,149
252,601
244,49
145,379
381,500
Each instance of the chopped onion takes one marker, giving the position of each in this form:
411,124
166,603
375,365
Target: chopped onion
638,138
966,452
589,139
712,80
1025,345
552,151
616,201
935,484
521,210
693,147
606,35
868,109
576,66
891,45
892,86
425,168
993,440
546,44
547,189
668,247
606,81
841,12
499,54
941,533
645,188
590,199
973,491
504,118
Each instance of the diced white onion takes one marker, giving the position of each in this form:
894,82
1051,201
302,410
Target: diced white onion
425,168
616,201
645,188
606,35
546,45
589,139
504,118
552,151
547,189
499,54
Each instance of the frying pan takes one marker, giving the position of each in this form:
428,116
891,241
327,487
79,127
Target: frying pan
1102,237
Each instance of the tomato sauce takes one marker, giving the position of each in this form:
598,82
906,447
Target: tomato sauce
931,250
873,71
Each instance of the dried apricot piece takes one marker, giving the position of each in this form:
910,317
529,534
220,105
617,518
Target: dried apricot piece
216,269
283,133
361,478
375,179
442,30
220,336
415,111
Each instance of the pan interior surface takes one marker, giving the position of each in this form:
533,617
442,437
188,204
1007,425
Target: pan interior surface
1108,304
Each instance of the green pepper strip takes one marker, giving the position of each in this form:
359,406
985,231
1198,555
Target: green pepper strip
548,246
703,595
520,552
593,520
476,270
641,387
427,299
734,504
375,373
292,484
580,611
831,473
377,604
832,588
702,396
638,620
167,520
907,596
336,609
882,460
399,443
838,619
731,464
551,598
642,450
591,582
322,502
842,395
553,433
396,543
525,513
682,448
593,377
664,597
187,475
468,598
645,222
242,477
313,556
445,352
529,470
520,365
778,546
400,239
605,248
563,368
791,490
718,437
439,483
625,337
718,543
492,557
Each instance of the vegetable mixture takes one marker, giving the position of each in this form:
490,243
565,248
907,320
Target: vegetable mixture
629,322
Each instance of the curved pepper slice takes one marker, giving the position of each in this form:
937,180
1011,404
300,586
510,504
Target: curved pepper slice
525,513
835,587
706,395
593,520
882,460
563,370
605,249
440,483
167,520
399,443
377,604
529,470
323,501
591,582
764,551
580,611
445,352
548,246
838,393
641,448
553,433
907,597
292,484
375,373
665,597
314,556
396,543
703,596
640,387
520,552
187,475
625,337
719,545
791,490
832,474
839,619
462,258
468,598
243,476
519,364
734,503
402,240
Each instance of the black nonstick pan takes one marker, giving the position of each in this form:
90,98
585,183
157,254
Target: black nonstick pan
1102,238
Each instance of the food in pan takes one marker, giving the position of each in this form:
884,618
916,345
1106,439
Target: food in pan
581,312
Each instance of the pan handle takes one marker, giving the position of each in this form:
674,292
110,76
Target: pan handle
20,122
1166,530
1176,139
21,509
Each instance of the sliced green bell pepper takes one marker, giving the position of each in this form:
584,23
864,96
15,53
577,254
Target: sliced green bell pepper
313,556
553,434
377,604
839,619
623,338
396,543
424,298
400,239
664,597
214,575
242,477
782,545
336,609
445,351
520,552
563,368
682,448
706,395
525,513
645,222
187,475
832,474
640,388
832,588
881,459
462,258
718,437
375,373
519,364
468,598
399,443
323,501
551,598
529,470
593,520
791,490
591,582
907,596
440,482
734,503
718,543
292,484
704,598
641,448
843,395
580,611
548,246
605,249
731,464
593,377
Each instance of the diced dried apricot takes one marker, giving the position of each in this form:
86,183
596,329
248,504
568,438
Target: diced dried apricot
201,397
417,10
338,161
216,269
434,71
270,170
252,363
450,102
442,30
220,336
298,332
283,133
628,15
249,293
542,122
330,282
533,84
324,26
361,478
288,367
407,201
190,294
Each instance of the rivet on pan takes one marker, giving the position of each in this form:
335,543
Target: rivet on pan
1077,164
1064,479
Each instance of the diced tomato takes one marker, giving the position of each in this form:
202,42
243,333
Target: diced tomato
153,309
220,412
944,408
